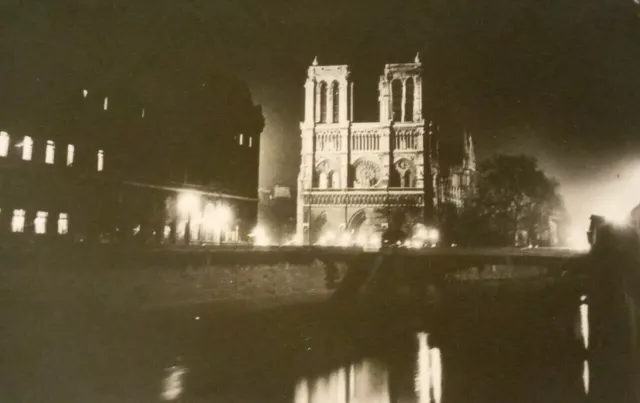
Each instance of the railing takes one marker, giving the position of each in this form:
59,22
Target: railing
329,141
365,140
405,140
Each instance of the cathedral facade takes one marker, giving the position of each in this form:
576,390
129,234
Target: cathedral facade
358,178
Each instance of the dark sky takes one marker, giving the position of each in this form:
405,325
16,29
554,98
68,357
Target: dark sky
558,79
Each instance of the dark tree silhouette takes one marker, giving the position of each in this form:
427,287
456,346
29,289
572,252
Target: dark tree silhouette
513,204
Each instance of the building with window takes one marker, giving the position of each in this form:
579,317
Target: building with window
116,164
362,177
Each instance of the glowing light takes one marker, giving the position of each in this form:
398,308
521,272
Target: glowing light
188,203
585,376
584,322
17,221
63,223
434,235
172,385
422,233
100,160
106,103
4,144
375,241
361,240
417,243
345,239
85,93
260,237
27,148
40,223
49,156
428,380
577,240
70,153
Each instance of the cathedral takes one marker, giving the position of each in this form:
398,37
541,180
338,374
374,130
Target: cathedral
357,179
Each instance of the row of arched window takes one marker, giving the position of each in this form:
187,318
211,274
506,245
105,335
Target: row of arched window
399,178
325,93
402,95
27,144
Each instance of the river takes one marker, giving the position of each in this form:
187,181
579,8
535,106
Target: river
482,344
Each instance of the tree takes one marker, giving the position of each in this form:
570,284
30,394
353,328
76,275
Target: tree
514,203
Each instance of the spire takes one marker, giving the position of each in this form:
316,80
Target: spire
469,153
315,61
417,59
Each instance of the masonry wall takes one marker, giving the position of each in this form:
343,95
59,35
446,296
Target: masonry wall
119,279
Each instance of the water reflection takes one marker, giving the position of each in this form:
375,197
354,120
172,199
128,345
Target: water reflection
367,381
172,384
428,382
584,332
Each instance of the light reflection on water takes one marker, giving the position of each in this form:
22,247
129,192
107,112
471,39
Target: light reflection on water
172,384
368,381
584,331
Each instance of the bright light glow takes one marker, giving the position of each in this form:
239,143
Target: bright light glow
40,223
260,237
85,93
4,144
106,103
584,323
345,239
250,141
585,376
17,221
50,151
27,148
422,233
70,154
417,243
577,240
361,240
434,235
241,139
100,160
172,384
375,240
188,203
63,223
428,380
167,231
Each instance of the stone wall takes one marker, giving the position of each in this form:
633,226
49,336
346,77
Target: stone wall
119,279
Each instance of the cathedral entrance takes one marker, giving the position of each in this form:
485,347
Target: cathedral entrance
364,225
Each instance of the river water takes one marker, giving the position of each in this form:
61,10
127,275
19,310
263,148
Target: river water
483,344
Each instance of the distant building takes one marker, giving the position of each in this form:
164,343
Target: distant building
120,164
277,213
362,177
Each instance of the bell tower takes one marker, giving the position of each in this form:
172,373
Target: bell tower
400,92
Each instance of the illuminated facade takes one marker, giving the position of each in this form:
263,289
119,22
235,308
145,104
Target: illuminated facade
358,177
107,169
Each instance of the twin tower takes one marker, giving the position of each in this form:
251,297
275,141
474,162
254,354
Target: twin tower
353,174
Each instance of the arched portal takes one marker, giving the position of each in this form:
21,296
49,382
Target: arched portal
361,226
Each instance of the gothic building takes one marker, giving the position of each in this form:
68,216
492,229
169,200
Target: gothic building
362,177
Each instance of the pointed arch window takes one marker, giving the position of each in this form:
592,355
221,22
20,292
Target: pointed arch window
335,94
409,94
322,95
406,179
396,99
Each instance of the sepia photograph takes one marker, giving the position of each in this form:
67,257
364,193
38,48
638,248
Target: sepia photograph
320,201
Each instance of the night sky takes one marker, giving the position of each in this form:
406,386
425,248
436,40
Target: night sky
557,79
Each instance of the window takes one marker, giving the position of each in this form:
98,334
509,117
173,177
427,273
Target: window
27,148
106,103
335,94
250,141
396,99
40,223
100,160
63,223
70,153
323,180
408,106
17,222
4,144
49,155
241,139
322,89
